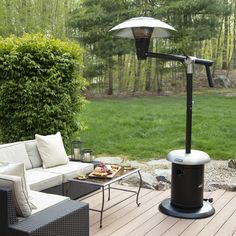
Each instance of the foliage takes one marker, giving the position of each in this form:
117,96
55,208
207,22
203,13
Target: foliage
147,128
91,23
198,24
40,84
196,21
34,16
205,29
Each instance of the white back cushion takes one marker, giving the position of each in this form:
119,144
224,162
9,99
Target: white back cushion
51,149
15,152
33,153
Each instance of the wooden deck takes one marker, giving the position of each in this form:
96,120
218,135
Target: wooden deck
128,219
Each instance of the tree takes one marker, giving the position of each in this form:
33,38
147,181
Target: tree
226,13
234,35
35,16
195,21
91,23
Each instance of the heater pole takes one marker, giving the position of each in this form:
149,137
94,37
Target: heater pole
189,87
188,61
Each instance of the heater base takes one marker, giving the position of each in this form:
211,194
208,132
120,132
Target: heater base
205,211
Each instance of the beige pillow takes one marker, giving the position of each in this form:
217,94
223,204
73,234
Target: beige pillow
16,169
19,194
51,149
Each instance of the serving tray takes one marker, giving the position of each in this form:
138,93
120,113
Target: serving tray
109,176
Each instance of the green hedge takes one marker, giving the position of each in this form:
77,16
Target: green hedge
40,87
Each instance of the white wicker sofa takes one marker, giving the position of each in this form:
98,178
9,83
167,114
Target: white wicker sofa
47,185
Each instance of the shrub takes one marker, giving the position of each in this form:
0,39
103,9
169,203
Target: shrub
40,87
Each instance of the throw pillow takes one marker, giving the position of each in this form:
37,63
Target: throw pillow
16,169
19,195
51,149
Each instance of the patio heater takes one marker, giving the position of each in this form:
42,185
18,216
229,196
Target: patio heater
187,176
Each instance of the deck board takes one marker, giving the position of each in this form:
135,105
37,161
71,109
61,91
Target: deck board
183,224
198,225
217,221
114,221
229,226
128,219
142,218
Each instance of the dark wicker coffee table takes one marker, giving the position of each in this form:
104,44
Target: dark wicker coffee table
105,184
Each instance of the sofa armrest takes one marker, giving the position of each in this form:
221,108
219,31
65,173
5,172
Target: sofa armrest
7,209
69,218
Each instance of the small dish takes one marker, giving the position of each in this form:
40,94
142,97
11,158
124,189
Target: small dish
81,177
127,167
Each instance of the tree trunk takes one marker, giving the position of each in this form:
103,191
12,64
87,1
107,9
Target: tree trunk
130,68
234,49
225,54
110,78
157,77
120,72
137,77
217,50
148,74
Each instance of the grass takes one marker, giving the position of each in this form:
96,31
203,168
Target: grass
145,128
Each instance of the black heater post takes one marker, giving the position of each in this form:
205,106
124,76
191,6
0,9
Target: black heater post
189,87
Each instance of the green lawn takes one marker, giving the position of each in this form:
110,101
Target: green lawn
149,127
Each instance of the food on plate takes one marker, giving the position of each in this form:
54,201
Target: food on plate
102,170
105,170
100,173
99,169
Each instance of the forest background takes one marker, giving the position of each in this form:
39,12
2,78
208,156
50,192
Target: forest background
206,29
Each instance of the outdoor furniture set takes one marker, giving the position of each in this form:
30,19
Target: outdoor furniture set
37,193
37,183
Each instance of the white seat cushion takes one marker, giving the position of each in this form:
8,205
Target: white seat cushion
51,149
33,153
71,170
39,180
15,152
45,200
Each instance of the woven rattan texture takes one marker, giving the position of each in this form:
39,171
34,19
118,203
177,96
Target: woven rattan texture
70,218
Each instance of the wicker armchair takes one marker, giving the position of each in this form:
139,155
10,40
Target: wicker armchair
69,218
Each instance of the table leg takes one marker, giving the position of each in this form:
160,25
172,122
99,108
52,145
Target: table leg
102,208
140,185
65,188
109,192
